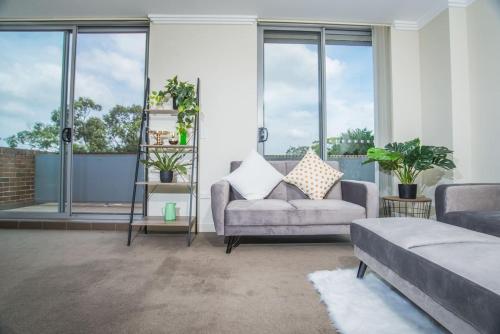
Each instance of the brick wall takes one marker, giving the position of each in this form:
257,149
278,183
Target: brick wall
17,177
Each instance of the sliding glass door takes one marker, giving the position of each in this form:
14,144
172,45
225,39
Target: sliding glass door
71,100
109,93
34,67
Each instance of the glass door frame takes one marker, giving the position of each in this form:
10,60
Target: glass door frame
102,28
70,29
67,91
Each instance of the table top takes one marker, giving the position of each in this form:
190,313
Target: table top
397,199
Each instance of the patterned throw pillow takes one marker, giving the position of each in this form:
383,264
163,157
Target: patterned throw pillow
313,176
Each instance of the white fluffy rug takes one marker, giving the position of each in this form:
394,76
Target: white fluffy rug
368,305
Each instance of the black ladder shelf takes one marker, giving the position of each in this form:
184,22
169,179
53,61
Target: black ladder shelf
189,186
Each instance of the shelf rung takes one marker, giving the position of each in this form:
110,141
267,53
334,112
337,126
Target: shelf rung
181,221
162,112
168,146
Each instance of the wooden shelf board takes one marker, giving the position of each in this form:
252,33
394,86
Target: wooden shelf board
181,221
162,112
182,187
173,147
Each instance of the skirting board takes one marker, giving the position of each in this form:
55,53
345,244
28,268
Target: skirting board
446,318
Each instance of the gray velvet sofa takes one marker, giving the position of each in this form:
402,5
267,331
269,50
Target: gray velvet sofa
450,272
287,211
472,206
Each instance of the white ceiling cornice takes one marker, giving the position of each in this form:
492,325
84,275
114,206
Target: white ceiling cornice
459,3
405,25
430,15
202,19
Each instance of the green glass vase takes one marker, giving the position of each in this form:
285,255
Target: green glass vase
169,212
183,138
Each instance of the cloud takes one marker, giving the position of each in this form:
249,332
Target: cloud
291,96
110,70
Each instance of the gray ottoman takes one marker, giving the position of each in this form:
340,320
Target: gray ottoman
451,273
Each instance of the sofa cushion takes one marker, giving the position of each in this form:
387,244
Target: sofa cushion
313,176
255,178
258,212
292,192
286,191
480,221
456,267
273,212
325,211
279,192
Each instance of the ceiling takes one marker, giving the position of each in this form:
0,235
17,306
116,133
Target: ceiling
351,11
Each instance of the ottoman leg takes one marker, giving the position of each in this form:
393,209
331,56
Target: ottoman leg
361,270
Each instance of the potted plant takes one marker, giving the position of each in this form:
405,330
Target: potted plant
407,160
172,87
184,100
167,164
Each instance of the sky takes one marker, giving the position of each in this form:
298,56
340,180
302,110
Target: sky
109,69
291,107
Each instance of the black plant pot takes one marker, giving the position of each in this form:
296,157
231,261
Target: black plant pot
166,176
174,102
407,191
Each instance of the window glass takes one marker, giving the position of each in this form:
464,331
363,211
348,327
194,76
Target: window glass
291,95
31,82
350,108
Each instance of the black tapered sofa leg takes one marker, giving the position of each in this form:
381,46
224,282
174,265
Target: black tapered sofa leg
361,270
230,241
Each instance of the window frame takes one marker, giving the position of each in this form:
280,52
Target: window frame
345,34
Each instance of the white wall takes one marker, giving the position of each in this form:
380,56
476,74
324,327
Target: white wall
224,57
435,86
406,99
483,29
435,74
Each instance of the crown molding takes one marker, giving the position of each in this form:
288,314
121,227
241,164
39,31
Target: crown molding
459,3
430,15
202,19
405,25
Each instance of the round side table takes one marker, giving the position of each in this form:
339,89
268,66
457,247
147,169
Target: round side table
394,206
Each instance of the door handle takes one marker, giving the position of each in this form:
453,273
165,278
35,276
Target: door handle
263,134
66,135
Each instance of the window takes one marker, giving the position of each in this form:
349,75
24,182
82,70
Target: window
317,92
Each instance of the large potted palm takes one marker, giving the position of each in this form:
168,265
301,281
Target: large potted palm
167,164
407,160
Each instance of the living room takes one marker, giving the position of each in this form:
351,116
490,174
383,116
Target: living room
249,166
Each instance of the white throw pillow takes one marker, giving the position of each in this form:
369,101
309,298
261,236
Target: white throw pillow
255,178
313,176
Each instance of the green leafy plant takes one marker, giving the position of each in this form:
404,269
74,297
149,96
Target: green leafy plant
157,98
407,160
184,95
167,162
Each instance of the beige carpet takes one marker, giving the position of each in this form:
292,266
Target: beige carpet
90,282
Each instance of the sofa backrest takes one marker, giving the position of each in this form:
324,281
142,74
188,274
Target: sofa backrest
286,191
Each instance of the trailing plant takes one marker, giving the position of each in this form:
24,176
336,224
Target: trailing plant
407,160
167,162
184,94
157,98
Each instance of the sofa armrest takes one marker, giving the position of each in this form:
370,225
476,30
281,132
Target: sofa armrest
362,193
466,197
220,198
